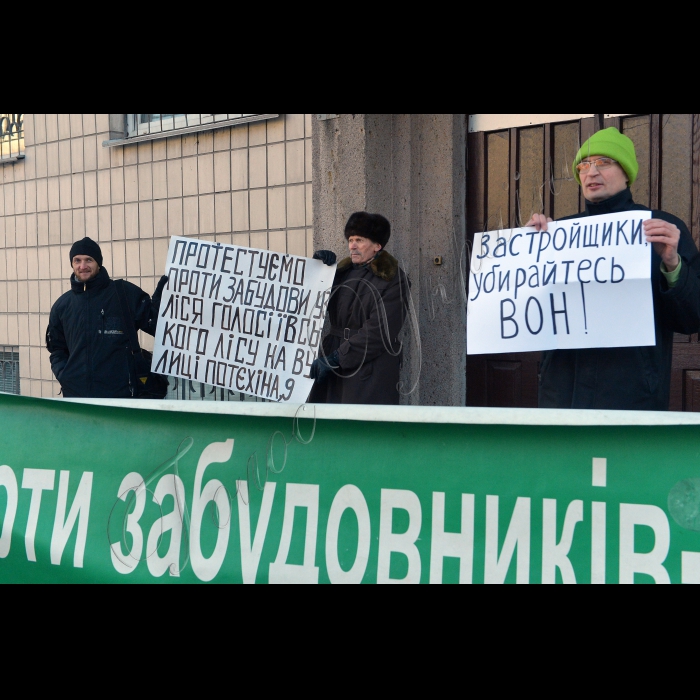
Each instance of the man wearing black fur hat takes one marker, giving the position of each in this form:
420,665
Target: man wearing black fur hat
86,335
360,358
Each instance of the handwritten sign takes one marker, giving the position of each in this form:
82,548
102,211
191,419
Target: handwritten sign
583,283
241,319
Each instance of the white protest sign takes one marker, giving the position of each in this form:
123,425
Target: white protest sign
241,319
583,283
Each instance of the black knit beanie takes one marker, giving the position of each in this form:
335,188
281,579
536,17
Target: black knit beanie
372,226
86,247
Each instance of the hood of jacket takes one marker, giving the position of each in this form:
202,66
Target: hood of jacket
384,266
99,281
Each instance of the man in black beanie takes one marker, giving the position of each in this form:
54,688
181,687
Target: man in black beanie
360,358
87,336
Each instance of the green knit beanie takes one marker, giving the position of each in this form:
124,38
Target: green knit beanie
612,144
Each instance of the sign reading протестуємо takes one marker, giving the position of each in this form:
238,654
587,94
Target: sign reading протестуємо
583,283
241,319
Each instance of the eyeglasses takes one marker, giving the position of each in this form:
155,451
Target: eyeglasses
600,163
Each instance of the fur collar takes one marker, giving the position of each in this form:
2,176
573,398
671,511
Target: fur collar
384,266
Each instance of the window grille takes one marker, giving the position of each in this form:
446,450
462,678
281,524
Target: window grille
11,136
497,122
184,390
145,124
9,369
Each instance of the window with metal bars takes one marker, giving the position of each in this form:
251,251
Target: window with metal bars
140,125
11,136
9,369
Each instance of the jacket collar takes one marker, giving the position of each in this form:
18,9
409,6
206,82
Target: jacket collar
99,281
383,266
617,203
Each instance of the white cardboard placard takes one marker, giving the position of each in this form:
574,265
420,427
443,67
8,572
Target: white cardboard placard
583,283
241,319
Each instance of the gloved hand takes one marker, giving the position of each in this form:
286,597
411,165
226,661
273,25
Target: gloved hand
325,256
161,283
322,366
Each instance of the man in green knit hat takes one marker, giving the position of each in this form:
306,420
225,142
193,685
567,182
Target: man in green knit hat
633,378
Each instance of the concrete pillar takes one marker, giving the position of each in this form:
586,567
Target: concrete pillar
411,169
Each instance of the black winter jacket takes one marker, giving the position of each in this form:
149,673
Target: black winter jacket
87,340
634,378
366,312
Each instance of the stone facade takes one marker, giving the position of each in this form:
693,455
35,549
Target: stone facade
411,169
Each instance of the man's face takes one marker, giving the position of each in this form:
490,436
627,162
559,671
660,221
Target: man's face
599,185
362,249
84,268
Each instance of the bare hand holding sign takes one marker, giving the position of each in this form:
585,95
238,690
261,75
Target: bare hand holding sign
564,285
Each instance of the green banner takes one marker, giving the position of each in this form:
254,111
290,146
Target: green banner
167,493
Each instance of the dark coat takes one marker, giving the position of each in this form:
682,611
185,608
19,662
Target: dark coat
86,338
634,378
366,311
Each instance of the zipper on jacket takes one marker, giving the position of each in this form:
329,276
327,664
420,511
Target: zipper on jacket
128,372
87,345
102,312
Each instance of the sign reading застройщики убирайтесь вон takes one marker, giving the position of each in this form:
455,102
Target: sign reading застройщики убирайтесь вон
583,283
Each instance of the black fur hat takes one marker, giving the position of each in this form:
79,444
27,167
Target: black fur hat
372,226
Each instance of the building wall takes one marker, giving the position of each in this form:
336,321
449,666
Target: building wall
411,169
247,185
